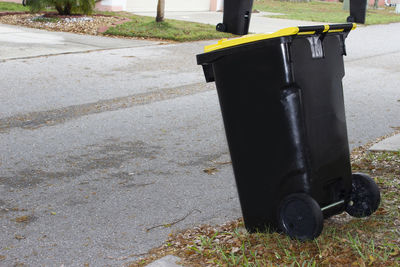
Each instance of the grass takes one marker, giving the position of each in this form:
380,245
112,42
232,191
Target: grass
323,11
345,241
44,19
175,30
12,7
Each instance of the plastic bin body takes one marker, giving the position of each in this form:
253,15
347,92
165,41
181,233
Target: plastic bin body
237,14
358,9
283,111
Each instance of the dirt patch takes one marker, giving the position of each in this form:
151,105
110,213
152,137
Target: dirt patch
93,25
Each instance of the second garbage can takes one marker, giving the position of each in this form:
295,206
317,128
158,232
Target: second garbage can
237,14
282,104
358,9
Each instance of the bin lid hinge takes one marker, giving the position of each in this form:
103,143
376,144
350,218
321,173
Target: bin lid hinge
317,50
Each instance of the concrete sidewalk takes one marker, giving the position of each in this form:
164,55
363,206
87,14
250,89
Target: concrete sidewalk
259,23
22,42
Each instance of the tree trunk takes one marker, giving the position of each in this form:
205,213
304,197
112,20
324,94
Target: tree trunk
67,8
160,10
346,5
59,9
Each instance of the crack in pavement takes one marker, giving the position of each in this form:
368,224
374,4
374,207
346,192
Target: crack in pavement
34,120
99,49
56,54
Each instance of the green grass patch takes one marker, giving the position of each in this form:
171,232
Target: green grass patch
45,19
323,11
175,30
12,7
345,240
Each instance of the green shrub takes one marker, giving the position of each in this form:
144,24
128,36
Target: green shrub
64,7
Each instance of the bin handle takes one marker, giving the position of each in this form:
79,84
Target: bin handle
345,27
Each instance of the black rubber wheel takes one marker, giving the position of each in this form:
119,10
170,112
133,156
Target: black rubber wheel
350,19
221,27
365,196
300,217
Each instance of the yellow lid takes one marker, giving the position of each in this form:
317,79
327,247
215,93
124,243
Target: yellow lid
225,43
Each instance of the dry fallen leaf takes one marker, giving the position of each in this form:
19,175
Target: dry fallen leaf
189,252
211,170
22,219
19,237
371,259
235,249
381,211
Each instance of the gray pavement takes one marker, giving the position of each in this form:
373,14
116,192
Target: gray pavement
104,152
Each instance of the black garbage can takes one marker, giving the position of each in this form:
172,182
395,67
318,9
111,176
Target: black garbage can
282,105
237,14
358,9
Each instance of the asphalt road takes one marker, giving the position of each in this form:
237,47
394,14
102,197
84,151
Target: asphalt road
102,154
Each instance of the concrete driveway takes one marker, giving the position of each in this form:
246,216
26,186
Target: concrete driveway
103,154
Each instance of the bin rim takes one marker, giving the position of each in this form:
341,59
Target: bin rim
301,30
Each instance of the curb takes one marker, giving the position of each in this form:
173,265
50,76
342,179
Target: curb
390,144
167,261
6,13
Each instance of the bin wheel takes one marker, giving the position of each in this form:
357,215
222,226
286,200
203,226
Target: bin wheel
350,19
365,196
300,217
221,27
